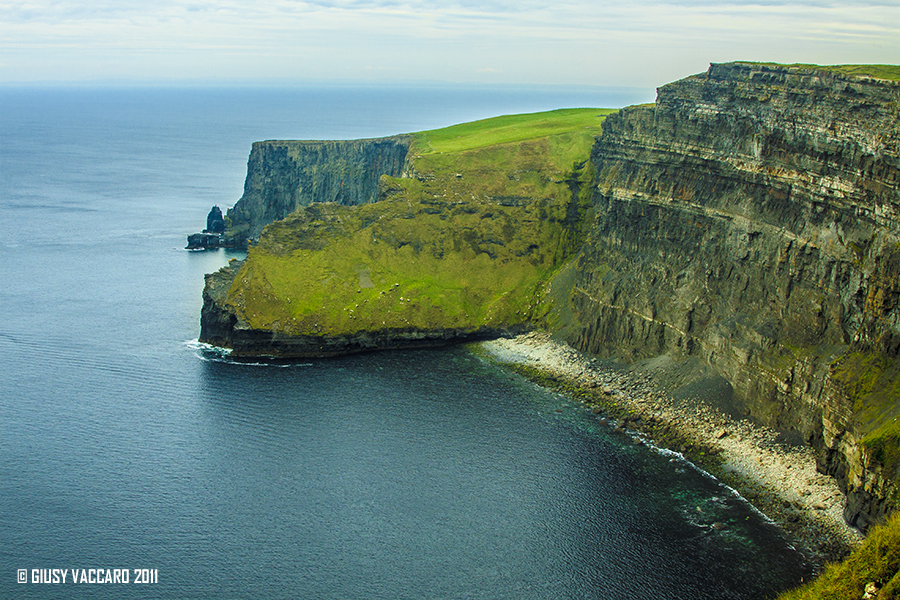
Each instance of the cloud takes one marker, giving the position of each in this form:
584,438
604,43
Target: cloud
643,42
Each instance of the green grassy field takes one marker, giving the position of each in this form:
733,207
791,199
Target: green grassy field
511,128
890,72
468,241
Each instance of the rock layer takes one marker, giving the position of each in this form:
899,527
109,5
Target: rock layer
750,217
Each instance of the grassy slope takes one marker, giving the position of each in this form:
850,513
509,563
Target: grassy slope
512,128
467,242
876,561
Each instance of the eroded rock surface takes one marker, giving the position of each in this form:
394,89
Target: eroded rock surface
750,217
747,220
283,176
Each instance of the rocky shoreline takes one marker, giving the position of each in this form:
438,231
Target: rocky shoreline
779,478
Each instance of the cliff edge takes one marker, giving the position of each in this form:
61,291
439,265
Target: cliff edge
457,248
283,176
750,218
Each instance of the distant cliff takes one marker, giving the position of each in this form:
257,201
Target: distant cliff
751,217
282,176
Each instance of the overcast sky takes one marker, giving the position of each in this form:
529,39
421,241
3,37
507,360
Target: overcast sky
640,43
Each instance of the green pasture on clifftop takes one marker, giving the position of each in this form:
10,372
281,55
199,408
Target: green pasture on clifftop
489,211
889,72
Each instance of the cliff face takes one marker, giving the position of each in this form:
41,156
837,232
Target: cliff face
751,217
282,176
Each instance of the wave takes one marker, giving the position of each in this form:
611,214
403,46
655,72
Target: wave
680,459
209,353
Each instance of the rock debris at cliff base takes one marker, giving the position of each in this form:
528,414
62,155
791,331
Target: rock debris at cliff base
781,480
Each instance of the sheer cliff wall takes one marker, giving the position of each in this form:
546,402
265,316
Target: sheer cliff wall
751,218
283,176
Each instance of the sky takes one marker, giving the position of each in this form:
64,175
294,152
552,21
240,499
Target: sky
641,43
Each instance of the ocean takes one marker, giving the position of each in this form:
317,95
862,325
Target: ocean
135,463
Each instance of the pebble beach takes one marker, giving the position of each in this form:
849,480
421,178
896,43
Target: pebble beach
779,479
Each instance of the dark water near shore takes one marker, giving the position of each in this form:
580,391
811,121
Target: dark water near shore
392,475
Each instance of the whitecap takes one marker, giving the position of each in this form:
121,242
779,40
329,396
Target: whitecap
210,353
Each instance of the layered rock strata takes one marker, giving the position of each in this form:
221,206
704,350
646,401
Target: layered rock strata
750,217
283,176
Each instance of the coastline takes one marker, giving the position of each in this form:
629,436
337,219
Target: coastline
777,478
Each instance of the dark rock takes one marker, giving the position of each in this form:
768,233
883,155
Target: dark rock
748,219
203,241
215,222
212,236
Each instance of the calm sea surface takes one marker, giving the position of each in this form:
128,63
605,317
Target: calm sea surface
395,475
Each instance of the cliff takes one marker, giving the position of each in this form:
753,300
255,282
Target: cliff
747,222
283,176
458,249
750,219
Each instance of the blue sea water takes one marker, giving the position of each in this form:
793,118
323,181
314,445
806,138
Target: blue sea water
123,445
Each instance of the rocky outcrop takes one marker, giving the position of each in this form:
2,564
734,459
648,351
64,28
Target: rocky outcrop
215,222
211,237
285,175
751,217
458,249
204,241
218,321
223,325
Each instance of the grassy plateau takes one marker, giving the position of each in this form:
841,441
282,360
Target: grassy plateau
488,211
889,72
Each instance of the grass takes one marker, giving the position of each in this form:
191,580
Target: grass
491,211
890,72
876,561
396,272
510,128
